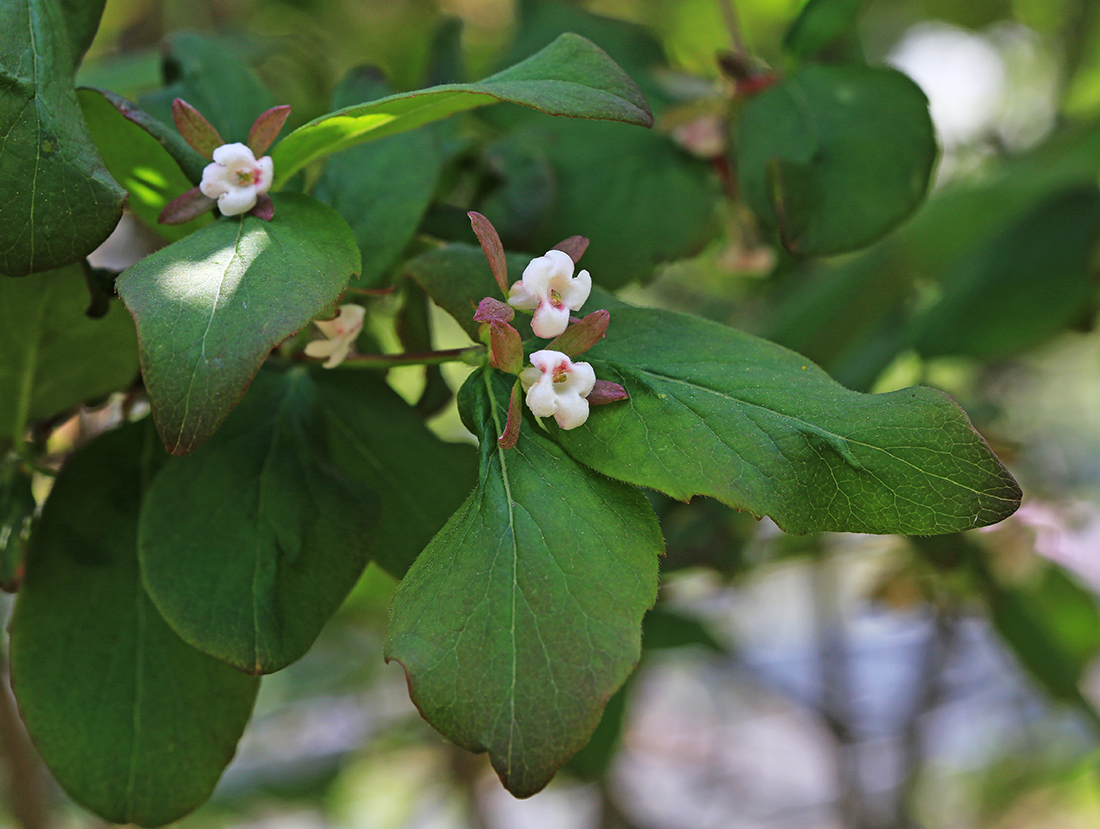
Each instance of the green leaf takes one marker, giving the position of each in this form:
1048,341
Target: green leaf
210,74
273,536
54,357
1026,283
133,723
639,198
186,157
211,306
376,437
834,157
358,183
572,76
714,411
524,614
819,24
139,163
82,20
57,202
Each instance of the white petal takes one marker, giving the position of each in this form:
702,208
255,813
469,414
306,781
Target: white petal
576,293
320,348
572,411
561,262
234,155
582,379
548,360
549,321
215,180
520,297
340,352
267,174
238,200
542,399
537,276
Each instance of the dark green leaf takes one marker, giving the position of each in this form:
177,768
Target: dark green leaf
186,157
138,162
1025,284
714,411
135,725
273,536
57,202
210,74
382,188
571,76
819,24
665,628
52,356
638,198
834,157
375,436
211,306
523,615
82,20
457,278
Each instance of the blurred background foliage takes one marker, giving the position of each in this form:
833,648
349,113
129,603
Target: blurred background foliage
825,681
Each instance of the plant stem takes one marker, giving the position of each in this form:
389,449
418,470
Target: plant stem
733,26
26,793
469,354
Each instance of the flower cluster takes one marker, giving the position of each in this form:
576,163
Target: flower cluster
556,386
549,288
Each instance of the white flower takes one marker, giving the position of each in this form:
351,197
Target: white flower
557,386
340,334
549,288
236,178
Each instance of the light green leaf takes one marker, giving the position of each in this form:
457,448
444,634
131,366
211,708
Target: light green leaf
134,724
211,306
572,76
57,202
714,411
376,437
139,163
834,157
273,538
382,188
820,24
524,614
54,357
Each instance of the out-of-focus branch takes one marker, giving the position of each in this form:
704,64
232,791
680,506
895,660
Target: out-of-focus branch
26,780
733,25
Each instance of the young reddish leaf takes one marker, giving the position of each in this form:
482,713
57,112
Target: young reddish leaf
185,207
264,209
606,392
196,130
510,438
575,246
494,250
581,335
506,347
265,129
493,310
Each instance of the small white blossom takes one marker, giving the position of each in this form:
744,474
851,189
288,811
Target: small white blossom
557,386
549,288
236,178
340,334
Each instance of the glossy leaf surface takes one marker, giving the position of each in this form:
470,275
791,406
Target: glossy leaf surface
714,411
274,536
524,614
57,201
136,725
834,157
572,76
211,306
53,356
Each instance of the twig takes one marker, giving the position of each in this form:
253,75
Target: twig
424,358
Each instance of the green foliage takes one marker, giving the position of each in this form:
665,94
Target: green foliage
551,569
358,183
134,724
57,202
210,307
713,411
42,325
820,24
833,157
277,538
571,76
